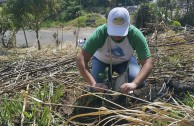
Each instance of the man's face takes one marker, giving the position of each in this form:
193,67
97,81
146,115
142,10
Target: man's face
117,38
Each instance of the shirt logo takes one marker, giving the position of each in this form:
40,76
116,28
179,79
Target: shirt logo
118,21
116,51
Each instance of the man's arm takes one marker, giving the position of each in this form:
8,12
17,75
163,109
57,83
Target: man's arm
147,66
146,69
82,63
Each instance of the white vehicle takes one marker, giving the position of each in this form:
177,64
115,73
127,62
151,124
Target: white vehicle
81,42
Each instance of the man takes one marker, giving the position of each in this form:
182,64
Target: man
114,43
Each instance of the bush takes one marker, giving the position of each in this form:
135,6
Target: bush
176,24
146,14
81,21
187,19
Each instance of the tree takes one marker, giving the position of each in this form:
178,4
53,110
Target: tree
188,17
17,11
71,10
37,11
184,10
167,8
5,25
146,14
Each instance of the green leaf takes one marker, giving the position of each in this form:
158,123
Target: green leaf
26,114
101,75
45,116
106,70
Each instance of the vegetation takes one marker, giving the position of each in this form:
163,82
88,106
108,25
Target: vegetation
19,14
81,21
36,112
43,88
32,15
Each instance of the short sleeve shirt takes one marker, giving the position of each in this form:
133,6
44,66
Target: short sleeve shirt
104,48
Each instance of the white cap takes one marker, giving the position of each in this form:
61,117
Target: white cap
118,22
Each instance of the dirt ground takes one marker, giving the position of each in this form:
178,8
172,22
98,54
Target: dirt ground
172,73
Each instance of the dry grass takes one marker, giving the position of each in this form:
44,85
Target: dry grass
148,113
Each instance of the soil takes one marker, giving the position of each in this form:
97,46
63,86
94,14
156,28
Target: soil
172,74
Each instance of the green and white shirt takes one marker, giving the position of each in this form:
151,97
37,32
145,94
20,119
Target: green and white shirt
100,42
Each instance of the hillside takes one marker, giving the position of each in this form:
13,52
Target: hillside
44,85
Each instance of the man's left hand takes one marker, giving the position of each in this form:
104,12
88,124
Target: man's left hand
127,87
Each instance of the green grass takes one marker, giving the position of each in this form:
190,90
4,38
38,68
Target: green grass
51,24
35,111
10,110
188,100
78,22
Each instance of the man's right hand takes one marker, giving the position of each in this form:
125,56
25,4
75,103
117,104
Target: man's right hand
99,87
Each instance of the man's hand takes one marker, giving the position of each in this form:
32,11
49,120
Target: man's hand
127,87
100,87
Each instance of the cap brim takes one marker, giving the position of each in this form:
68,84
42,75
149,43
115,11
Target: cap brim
117,31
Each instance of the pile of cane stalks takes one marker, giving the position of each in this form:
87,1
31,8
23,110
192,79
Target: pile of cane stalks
42,87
